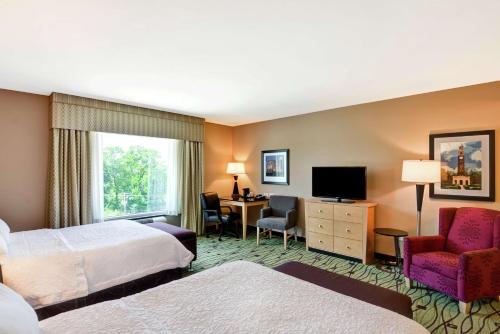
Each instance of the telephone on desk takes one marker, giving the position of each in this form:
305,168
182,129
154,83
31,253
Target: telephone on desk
249,198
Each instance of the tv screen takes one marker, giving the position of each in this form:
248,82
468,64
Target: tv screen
339,182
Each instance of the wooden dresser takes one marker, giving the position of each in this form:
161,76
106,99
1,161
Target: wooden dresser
341,228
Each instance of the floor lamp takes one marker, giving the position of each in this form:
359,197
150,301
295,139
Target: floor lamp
421,172
235,168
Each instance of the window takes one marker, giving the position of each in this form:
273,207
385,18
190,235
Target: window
139,175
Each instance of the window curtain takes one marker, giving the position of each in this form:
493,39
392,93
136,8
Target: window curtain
192,185
69,194
74,169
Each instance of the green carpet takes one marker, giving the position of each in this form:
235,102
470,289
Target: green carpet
437,312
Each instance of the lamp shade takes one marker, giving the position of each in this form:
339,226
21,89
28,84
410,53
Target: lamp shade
421,171
235,168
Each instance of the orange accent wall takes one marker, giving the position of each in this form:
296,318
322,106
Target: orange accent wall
24,149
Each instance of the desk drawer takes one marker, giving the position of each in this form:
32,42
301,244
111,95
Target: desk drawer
348,230
348,213
348,247
320,241
319,225
320,210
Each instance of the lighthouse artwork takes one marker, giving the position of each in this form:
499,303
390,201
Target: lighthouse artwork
467,165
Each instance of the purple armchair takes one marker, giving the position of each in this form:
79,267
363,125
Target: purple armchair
463,261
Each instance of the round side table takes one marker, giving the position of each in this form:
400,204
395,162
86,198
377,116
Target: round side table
396,234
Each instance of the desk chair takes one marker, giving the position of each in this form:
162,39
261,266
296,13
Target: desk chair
212,213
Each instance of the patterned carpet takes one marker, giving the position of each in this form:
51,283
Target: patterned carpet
437,312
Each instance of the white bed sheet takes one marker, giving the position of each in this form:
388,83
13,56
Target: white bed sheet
51,266
237,297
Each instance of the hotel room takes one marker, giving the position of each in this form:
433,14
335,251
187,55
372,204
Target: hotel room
249,167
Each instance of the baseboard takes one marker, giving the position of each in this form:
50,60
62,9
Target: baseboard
386,257
348,258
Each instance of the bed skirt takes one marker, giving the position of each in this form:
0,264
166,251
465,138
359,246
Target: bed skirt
115,292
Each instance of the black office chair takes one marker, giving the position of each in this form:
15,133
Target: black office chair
212,213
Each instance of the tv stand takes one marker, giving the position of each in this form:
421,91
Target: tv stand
341,228
339,200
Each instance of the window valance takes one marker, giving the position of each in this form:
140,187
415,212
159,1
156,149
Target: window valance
79,113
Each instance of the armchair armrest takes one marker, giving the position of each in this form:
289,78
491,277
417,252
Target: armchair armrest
291,217
209,212
415,245
478,273
265,212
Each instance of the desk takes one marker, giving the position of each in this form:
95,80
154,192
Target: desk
244,205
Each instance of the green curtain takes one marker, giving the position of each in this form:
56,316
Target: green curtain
192,185
69,193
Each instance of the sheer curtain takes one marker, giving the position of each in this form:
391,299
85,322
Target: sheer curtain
96,177
174,164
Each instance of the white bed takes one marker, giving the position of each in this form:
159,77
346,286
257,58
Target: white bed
52,266
237,297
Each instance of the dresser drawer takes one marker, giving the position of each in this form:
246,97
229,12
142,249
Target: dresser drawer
319,225
348,213
320,210
348,230
348,247
320,241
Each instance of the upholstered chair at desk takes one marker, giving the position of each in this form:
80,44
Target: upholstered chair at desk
281,215
212,213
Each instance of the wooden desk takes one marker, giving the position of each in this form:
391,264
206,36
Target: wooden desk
244,210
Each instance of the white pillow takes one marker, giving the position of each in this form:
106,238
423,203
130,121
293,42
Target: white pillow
4,231
16,315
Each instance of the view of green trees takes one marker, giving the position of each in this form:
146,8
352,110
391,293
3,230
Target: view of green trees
134,180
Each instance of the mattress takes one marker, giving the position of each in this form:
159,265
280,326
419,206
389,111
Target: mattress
52,266
236,297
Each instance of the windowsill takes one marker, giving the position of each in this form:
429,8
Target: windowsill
138,215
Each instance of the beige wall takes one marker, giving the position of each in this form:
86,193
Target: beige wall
378,135
218,152
24,141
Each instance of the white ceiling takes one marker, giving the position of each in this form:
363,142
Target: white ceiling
236,62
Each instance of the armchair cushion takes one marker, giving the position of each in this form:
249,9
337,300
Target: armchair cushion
478,274
471,230
275,223
443,263
415,245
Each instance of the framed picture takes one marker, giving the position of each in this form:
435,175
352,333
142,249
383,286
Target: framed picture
467,165
275,167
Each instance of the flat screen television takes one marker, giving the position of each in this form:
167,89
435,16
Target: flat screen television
343,184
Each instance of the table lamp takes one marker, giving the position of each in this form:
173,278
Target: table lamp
235,168
421,172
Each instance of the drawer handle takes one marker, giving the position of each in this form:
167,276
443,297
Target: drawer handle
320,241
348,230
320,211
348,247
320,226
347,214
